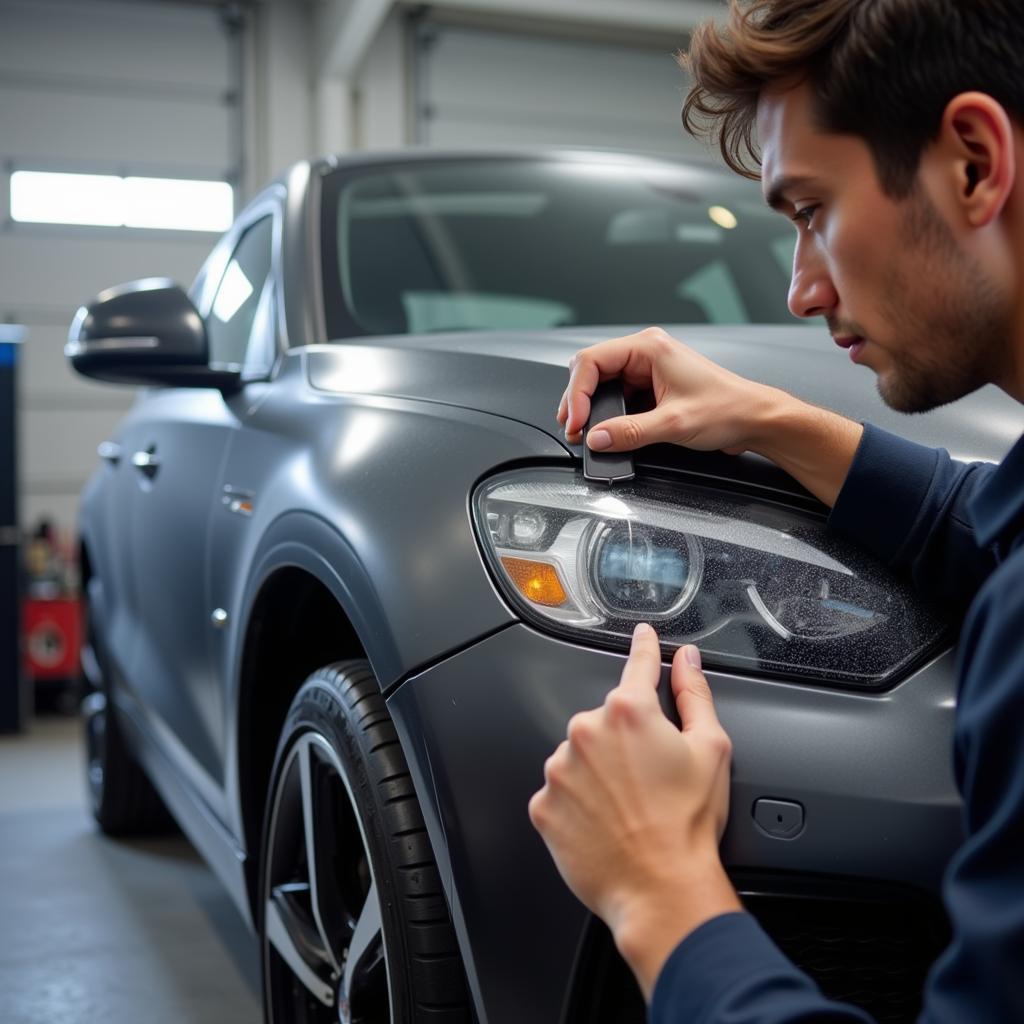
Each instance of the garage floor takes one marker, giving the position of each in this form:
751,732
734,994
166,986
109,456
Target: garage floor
93,930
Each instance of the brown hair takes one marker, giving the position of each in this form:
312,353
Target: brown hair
880,69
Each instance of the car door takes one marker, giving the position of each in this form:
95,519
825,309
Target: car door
177,467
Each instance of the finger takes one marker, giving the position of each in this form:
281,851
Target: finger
563,407
628,357
537,809
583,380
693,697
642,671
624,433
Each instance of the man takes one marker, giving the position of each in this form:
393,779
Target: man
891,132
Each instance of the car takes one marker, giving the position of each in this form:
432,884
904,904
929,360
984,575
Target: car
347,582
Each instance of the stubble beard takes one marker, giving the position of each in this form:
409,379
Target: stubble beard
952,332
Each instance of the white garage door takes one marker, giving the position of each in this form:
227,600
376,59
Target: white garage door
478,87
105,88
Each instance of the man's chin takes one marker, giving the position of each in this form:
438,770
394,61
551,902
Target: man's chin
901,395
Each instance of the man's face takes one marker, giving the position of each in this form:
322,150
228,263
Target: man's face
892,280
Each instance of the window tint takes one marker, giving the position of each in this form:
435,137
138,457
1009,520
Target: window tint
239,295
535,245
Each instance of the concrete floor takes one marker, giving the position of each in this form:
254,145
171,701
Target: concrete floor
94,930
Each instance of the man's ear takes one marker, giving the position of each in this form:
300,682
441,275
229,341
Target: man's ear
977,140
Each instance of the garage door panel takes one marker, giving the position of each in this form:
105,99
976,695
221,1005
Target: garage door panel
453,132
538,75
165,132
548,91
115,43
66,268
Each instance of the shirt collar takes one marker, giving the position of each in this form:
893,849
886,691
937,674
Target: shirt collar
999,504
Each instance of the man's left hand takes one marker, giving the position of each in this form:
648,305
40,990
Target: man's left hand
633,808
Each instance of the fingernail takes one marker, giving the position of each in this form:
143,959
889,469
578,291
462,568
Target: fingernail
692,656
642,629
598,440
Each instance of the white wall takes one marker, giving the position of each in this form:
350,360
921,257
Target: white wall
382,90
281,76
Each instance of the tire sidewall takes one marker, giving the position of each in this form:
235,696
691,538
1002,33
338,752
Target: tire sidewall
320,707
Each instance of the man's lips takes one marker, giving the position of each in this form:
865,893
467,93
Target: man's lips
853,342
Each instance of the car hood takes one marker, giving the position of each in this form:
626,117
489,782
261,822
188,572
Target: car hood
521,375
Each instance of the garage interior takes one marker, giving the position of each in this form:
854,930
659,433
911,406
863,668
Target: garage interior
232,93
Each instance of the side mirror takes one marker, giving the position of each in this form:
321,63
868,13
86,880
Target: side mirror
145,332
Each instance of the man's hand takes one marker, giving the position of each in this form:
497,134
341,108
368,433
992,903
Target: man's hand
633,809
697,402
701,405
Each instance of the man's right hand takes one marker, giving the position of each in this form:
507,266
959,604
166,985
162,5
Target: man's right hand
701,405
697,403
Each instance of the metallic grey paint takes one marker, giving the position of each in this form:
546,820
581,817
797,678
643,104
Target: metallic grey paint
358,460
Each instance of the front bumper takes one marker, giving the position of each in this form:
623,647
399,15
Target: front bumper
872,775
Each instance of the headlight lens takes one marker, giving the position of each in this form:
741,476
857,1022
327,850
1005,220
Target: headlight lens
758,586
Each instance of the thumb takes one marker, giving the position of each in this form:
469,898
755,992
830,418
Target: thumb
624,433
693,697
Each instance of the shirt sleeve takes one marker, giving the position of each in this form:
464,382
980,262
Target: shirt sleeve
728,969
907,504
980,976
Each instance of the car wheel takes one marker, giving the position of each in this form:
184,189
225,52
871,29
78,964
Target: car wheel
354,924
123,800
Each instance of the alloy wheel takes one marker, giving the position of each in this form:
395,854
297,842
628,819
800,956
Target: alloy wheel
323,941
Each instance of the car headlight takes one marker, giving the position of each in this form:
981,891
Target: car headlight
758,586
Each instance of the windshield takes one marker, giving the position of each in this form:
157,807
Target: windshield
517,244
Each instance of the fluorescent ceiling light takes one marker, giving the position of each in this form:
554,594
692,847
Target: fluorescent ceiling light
43,197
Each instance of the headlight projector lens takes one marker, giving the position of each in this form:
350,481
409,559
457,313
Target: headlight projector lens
643,573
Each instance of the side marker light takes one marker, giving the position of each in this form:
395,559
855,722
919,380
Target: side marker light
538,582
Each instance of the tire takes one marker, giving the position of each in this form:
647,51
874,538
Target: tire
122,799
360,931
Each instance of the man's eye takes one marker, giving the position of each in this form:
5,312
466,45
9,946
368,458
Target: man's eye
804,216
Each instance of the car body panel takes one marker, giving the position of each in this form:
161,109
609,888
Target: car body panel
523,374
872,773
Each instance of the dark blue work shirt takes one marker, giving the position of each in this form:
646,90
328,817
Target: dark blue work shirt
957,530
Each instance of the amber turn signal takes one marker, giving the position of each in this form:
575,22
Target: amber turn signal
538,582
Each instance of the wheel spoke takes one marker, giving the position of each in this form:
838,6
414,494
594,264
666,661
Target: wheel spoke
366,950
311,813
298,944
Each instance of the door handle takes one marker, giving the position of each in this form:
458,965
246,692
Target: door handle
146,462
110,452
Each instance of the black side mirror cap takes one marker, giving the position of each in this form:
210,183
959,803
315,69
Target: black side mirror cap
144,332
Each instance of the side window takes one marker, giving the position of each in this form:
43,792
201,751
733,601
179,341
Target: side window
240,294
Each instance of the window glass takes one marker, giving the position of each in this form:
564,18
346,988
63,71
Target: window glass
783,248
259,357
473,245
713,289
239,295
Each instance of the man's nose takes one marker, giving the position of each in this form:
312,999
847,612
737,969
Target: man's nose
811,291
